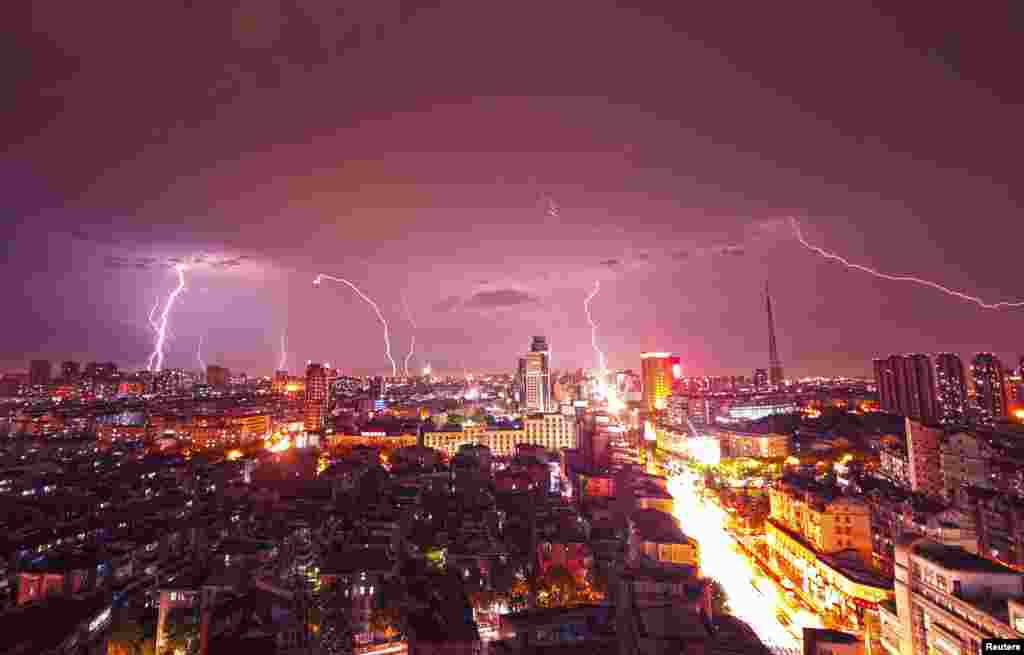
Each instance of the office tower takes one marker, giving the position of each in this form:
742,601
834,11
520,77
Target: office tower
656,372
39,372
906,386
924,458
217,376
538,376
774,364
317,397
760,378
990,400
951,387
69,372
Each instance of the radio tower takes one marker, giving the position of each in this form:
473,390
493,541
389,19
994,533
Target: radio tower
774,365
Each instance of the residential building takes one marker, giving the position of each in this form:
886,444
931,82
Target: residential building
829,522
70,372
951,386
906,386
737,443
964,461
923,457
990,398
948,601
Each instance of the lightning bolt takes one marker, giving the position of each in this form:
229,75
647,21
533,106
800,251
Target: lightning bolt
387,335
199,355
283,362
900,278
156,360
593,326
412,345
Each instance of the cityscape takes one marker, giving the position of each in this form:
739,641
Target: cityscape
456,330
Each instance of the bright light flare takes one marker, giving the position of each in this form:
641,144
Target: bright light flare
318,280
901,278
156,360
721,560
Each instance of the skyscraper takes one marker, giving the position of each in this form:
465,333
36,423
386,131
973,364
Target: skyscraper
951,387
990,400
538,376
656,372
906,386
774,363
39,372
317,397
519,385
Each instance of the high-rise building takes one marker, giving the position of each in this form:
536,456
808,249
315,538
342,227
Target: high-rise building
519,384
538,376
774,363
951,387
39,372
760,378
990,399
69,372
217,377
924,459
906,386
656,371
317,398
170,380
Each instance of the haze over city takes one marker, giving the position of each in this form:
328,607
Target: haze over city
491,162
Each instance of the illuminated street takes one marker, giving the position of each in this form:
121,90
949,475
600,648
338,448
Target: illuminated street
760,605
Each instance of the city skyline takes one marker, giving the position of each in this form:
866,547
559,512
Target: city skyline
494,190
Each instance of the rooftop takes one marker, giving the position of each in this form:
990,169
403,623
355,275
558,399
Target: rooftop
956,558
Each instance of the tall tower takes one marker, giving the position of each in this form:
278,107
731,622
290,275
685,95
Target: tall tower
538,376
990,400
656,372
774,365
317,397
951,387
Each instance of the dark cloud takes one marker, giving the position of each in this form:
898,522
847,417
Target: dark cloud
734,251
644,256
501,298
614,264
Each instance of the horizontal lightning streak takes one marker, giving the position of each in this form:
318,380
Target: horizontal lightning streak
901,278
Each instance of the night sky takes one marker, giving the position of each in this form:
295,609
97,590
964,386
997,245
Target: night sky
491,160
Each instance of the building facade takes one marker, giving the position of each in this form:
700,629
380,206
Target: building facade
317,398
538,376
906,386
924,458
656,372
951,386
990,398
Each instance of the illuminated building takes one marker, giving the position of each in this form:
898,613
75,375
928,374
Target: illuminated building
752,411
69,372
280,382
949,600
39,372
736,443
923,458
317,397
678,409
217,376
906,386
549,431
170,380
656,372
553,431
951,387
378,387
990,398
538,376
761,378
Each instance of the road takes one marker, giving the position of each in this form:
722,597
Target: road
753,597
